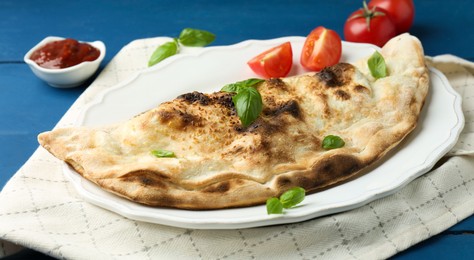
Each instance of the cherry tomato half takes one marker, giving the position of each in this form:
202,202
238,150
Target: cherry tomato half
322,48
273,63
401,12
370,26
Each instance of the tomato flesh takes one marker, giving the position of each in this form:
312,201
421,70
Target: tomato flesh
273,63
380,29
401,12
322,48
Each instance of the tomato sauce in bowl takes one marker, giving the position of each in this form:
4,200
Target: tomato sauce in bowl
65,62
64,54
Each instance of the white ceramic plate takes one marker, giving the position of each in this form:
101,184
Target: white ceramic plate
209,69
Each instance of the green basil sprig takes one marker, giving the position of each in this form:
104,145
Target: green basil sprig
287,200
248,103
163,51
332,142
188,37
195,38
377,66
247,100
274,206
163,153
235,87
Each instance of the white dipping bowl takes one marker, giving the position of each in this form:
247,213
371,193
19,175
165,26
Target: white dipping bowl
67,77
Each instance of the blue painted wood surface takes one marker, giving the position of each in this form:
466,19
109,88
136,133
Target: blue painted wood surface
29,106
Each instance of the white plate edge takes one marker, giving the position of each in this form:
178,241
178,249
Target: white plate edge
429,162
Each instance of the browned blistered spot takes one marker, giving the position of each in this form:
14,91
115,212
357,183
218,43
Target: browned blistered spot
225,100
220,187
267,132
146,178
221,99
291,107
326,112
413,101
337,167
327,76
269,101
361,89
337,75
195,97
146,181
266,127
189,119
178,119
165,200
341,94
283,181
165,116
276,83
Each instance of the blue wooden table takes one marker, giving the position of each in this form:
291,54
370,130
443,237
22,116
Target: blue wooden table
29,106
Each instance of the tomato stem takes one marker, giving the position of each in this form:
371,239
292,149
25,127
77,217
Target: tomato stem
368,14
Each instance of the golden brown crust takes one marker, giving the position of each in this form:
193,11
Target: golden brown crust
220,164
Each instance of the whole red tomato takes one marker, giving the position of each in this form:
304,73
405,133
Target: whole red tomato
401,12
321,48
372,25
273,63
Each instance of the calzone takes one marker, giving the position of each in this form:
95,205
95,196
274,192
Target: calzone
219,163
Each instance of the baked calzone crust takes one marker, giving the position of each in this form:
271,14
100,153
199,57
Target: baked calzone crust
219,163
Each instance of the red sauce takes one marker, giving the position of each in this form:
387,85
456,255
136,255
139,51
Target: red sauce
63,54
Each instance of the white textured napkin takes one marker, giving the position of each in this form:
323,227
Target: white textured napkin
40,209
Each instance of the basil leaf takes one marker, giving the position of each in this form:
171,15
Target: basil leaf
236,87
188,37
292,197
248,103
274,206
377,66
196,38
163,153
332,142
162,52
